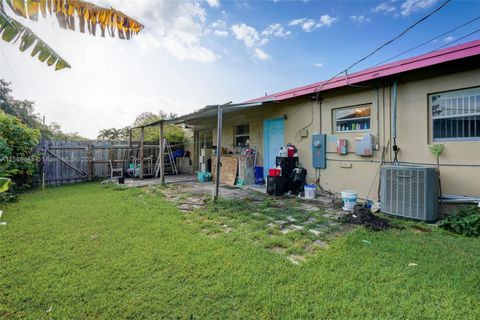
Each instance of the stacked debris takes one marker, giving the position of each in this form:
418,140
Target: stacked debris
363,216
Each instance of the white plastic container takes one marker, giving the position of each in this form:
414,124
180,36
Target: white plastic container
309,191
349,199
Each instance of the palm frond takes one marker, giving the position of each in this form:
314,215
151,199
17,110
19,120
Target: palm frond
13,31
89,16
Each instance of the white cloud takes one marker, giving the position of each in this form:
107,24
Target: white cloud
219,24
309,25
177,27
326,21
360,18
448,39
406,8
410,6
318,65
275,30
385,7
221,33
213,3
248,35
260,54
306,24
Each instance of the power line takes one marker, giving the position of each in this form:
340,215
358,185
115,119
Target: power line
428,41
466,36
382,46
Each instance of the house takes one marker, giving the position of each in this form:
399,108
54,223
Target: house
411,104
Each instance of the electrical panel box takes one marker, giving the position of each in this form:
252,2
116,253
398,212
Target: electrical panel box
364,145
342,146
319,150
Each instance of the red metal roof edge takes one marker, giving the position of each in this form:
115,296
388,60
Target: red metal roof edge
458,52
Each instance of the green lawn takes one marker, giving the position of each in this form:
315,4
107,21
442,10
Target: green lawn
94,252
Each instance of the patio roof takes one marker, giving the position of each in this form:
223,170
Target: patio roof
209,111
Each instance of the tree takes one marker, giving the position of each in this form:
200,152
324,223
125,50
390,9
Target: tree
17,142
66,11
173,133
104,134
25,111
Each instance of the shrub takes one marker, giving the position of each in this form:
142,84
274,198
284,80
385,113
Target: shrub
466,221
17,161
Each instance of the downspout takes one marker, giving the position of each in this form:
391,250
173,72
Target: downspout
395,148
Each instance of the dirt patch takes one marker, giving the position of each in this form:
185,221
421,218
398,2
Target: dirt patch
277,249
419,229
363,216
296,259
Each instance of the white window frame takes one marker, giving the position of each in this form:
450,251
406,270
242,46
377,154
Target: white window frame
235,136
455,94
364,105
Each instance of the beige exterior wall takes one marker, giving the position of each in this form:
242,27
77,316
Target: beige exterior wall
356,172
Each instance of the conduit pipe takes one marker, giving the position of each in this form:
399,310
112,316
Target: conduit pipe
394,121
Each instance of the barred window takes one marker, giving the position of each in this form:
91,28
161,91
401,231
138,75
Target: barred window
456,115
242,135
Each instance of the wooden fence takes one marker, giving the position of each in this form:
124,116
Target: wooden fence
65,162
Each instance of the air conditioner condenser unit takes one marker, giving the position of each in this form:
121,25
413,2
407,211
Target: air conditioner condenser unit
410,191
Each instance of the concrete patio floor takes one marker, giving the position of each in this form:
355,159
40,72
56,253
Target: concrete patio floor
190,184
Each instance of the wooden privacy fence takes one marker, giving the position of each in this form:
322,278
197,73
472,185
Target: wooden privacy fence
65,162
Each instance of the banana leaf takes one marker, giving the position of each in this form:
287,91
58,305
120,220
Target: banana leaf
4,184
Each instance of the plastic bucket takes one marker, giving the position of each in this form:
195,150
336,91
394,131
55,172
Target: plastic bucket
349,199
258,173
309,191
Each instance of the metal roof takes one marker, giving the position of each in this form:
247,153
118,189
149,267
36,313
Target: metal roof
458,52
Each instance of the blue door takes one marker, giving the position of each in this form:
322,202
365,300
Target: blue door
273,135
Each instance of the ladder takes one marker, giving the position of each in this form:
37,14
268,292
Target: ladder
168,162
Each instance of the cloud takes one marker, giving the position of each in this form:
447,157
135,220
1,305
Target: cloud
260,54
213,3
318,65
385,7
360,19
175,26
219,24
406,8
309,25
448,39
306,24
220,28
326,21
248,35
410,6
221,33
275,30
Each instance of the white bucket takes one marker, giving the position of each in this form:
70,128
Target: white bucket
349,199
309,191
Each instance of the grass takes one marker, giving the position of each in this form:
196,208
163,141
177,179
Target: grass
281,225
94,252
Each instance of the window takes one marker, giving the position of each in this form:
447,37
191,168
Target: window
352,119
456,115
242,135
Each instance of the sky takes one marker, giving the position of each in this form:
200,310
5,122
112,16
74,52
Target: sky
196,53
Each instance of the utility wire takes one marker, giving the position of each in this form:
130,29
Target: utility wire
456,40
382,46
428,41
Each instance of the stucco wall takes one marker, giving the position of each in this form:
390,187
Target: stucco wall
355,172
